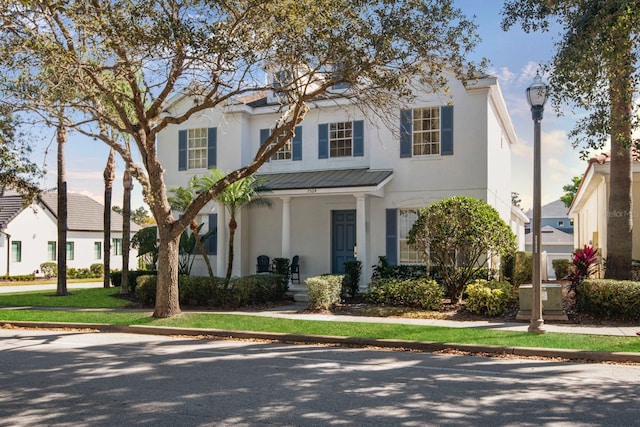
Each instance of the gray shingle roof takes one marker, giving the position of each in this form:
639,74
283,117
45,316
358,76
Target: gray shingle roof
324,179
551,235
555,209
10,206
84,213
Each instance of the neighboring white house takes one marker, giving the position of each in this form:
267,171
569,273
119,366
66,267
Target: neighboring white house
348,185
29,234
590,206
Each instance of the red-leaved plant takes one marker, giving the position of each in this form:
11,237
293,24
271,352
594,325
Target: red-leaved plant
584,262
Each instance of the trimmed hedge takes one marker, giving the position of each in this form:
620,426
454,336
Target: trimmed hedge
324,291
609,299
205,292
116,277
523,268
489,298
562,268
419,293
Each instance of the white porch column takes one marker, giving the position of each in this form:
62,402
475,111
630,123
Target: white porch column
286,227
361,238
221,258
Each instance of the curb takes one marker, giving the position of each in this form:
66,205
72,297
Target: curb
424,346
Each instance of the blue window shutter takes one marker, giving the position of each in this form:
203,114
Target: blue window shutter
406,131
264,135
323,141
358,138
212,147
392,236
296,144
212,241
182,150
446,130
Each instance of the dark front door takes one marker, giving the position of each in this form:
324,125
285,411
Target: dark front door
343,239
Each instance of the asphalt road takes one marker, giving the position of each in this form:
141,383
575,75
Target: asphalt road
53,377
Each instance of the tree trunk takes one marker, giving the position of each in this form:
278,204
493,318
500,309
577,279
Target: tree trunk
126,230
232,232
61,137
619,214
167,299
109,175
203,252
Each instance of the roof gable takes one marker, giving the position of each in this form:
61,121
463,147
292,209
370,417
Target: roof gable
10,207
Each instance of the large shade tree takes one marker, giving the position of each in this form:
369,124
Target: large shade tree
595,68
211,53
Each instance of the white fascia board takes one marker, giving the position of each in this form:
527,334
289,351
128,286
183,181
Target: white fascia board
585,185
371,190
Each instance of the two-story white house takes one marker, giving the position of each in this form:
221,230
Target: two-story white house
349,184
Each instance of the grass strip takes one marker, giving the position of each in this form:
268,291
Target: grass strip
87,298
337,328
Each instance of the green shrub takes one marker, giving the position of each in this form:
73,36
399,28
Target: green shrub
561,267
49,269
324,291
20,278
490,298
282,266
523,269
384,270
508,266
609,299
97,269
206,292
420,293
351,281
116,278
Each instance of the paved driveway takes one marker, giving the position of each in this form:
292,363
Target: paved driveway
101,379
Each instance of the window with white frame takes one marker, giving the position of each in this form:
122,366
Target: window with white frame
426,131
197,148
97,250
70,251
340,139
117,246
16,251
52,251
284,153
408,253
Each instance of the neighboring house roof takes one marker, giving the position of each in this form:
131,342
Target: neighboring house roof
324,179
555,209
84,213
551,236
10,207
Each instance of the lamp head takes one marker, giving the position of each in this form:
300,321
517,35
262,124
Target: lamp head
537,94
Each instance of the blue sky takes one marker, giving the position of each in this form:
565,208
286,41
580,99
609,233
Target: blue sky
514,57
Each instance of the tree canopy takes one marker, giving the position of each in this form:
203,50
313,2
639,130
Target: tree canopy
570,191
458,236
595,69
129,61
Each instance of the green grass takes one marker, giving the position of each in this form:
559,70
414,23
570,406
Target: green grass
88,298
100,297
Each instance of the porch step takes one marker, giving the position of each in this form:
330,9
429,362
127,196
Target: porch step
299,292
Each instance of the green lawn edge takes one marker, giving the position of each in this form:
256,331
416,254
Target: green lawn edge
67,309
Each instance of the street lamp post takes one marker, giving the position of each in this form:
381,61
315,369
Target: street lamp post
537,96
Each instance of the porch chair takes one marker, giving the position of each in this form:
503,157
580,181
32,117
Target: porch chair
264,264
295,269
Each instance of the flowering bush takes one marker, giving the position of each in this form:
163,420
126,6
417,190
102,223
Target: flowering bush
584,262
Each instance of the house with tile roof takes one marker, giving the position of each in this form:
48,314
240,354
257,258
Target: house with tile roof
349,184
28,234
590,205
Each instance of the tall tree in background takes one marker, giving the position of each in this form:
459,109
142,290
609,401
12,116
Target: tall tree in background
570,191
61,139
109,175
595,68
127,182
211,53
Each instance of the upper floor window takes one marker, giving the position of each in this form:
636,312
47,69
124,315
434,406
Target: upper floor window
291,150
426,131
341,139
197,148
560,223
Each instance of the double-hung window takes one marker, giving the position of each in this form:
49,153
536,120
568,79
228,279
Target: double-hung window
16,251
292,148
97,250
52,251
341,139
117,246
197,148
426,131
